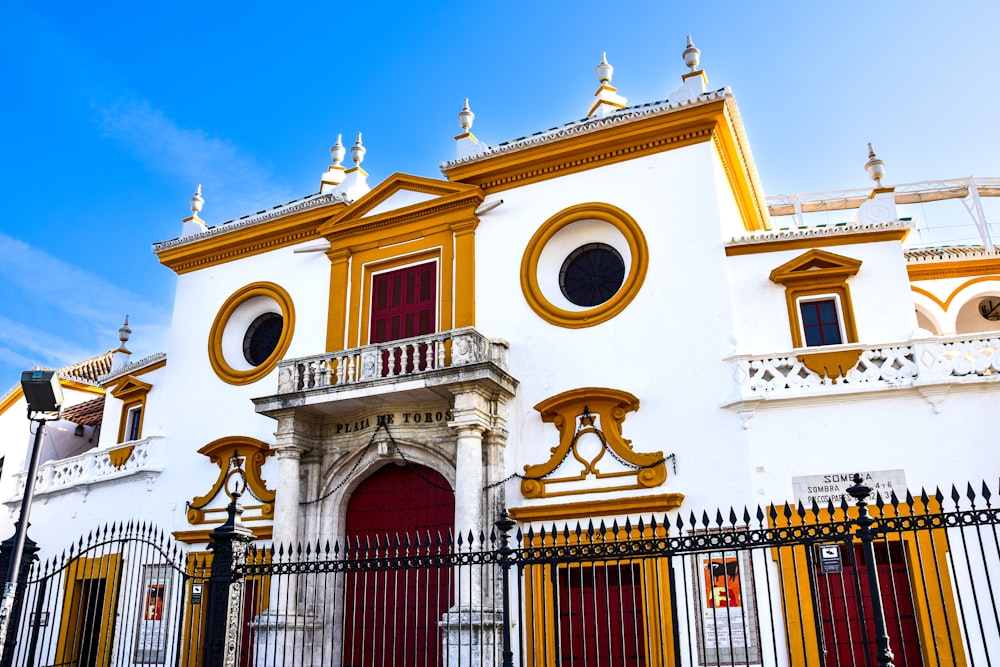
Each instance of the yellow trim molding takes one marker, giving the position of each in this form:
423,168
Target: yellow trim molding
618,142
814,273
441,228
132,392
247,241
201,535
120,456
956,269
571,319
779,245
236,456
588,509
80,572
833,365
217,357
591,411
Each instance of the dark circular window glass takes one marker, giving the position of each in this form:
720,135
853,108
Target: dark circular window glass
262,337
592,274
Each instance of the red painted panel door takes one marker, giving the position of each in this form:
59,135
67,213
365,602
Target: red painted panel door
600,616
390,618
404,304
848,628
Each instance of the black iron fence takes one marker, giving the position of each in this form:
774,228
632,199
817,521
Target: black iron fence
903,581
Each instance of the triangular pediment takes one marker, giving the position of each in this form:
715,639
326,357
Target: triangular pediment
130,386
813,264
404,196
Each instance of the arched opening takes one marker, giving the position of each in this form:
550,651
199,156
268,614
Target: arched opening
925,322
391,616
980,313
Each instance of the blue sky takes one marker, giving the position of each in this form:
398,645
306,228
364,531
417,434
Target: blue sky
114,111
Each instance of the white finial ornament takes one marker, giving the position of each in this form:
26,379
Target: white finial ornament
121,356
604,70
197,202
358,152
692,56
337,152
193,224
606,100
875,167
465,117
124,332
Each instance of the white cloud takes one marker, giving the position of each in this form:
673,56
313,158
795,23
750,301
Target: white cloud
190,155
74,314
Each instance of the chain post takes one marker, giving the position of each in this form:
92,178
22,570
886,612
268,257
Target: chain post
864,522
504,524
224,625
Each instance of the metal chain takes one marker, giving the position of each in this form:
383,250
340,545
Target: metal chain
600,434
350,473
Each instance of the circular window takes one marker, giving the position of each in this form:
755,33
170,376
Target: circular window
584,265
251,332
262,338
592,274
989,308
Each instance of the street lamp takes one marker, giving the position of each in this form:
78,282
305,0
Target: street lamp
43,393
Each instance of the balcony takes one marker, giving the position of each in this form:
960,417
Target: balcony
95,467
406,367
923,363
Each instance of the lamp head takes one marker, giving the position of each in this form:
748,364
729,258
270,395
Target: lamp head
42,391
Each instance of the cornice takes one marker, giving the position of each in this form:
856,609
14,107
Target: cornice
141,367
954,268
625,135
243,241
808,237
582,127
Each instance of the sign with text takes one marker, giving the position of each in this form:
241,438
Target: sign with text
833,486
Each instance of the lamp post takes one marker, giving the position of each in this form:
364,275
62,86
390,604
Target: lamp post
43,394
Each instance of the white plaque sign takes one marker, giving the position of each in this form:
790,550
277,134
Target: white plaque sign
833,487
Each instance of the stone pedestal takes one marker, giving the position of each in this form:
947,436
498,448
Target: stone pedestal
282,639
471,638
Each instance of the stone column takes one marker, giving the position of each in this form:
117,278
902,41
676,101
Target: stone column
280,628
470,631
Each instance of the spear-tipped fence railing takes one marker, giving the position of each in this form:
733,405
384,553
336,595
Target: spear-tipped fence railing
874,580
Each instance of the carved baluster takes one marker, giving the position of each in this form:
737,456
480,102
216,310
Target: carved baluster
440,353
341,366
429,354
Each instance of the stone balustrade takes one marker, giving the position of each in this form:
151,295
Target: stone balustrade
96,466
396,359
928,361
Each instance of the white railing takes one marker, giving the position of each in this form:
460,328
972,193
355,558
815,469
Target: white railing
967,358
82,471
399,358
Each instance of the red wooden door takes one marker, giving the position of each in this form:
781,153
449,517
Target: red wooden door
600,616
848,628
404,304
391,616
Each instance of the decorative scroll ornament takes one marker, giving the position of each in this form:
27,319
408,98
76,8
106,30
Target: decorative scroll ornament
238,457
592,456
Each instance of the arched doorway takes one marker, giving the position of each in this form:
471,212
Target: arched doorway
391,616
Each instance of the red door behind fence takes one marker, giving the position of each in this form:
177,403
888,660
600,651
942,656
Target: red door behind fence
848,628
391,616
600,616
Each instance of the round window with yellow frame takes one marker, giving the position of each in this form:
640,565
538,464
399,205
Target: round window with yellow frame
251,333
584,265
